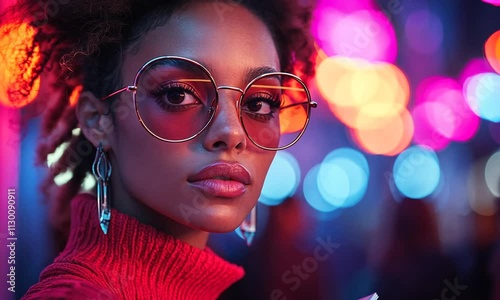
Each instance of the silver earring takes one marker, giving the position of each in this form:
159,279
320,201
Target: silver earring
102,172
249,226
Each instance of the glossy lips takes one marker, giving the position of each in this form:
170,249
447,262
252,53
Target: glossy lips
221,180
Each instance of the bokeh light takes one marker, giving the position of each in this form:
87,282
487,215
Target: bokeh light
417,172
365,33
481,199
14,40
387,136
473,67
355,83
492,174
452,117
88,183
53,157
343,177
492,50
333,184
351,154
371,99
442,114
430,88
345,6
425,134
282,179
334,79
312,194
482,92
73,98
63,178
494,2
424,32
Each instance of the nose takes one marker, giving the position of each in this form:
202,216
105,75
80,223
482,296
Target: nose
226,132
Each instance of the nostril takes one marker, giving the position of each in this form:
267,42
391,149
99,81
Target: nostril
226,145
219,144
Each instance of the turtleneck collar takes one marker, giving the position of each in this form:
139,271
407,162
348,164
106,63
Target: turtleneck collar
136,259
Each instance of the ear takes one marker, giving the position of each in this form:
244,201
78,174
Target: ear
94,119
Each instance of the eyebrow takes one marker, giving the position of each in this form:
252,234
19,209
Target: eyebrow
250,73
255,72
179,63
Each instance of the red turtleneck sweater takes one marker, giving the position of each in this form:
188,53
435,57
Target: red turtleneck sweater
133,261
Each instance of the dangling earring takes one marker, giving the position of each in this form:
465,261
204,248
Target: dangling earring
102,172
249,226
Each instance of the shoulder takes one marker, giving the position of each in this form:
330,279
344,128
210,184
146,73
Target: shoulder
67,288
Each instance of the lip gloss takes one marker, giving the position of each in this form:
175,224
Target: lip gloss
220,188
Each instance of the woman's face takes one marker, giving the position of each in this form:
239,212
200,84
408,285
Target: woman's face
212,181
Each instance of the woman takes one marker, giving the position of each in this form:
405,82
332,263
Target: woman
181,113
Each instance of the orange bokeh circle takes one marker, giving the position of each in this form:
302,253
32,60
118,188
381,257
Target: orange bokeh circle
15,40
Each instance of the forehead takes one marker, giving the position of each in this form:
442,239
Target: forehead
228,39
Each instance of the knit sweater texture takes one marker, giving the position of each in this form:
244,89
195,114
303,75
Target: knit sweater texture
133,261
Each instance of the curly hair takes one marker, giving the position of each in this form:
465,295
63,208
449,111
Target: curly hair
81,44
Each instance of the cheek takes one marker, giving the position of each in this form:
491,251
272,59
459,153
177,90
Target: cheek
136,150
262,164
151,171
130,136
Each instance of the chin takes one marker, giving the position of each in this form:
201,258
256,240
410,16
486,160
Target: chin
219,224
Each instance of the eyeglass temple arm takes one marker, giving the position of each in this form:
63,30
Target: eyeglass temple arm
123,89
312,103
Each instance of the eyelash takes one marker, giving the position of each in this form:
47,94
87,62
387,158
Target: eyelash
163,89
273,103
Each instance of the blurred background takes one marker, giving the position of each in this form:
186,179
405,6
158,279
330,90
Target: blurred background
393,189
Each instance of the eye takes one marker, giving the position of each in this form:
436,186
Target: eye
175,96
261,106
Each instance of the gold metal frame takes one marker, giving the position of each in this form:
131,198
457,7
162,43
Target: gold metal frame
133,88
